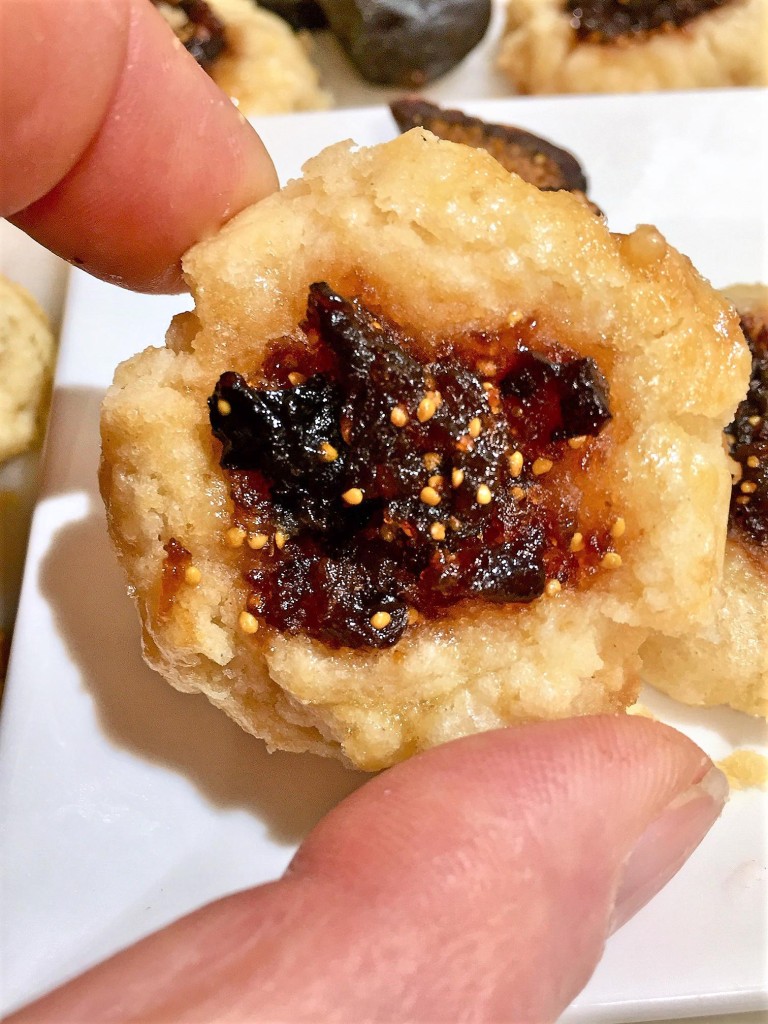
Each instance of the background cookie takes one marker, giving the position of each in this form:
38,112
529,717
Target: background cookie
551,46
252,54
442,241
265,66
26,363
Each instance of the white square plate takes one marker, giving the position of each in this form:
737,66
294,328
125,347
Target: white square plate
125,804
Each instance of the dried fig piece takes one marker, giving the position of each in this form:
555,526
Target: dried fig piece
407,42
534,159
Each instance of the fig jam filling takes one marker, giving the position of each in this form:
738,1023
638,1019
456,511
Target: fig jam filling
606,21
748,439
373,487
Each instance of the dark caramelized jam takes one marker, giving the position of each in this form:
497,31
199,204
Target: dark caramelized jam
176,562
374,486
748,438
606,21
197,28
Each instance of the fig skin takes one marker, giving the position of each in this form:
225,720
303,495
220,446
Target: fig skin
407,43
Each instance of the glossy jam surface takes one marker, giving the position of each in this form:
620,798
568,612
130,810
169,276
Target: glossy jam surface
375,486
748,437
605,21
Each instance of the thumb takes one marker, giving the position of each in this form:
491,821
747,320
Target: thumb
476,882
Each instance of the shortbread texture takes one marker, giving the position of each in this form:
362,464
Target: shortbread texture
726,663
444,240
266,68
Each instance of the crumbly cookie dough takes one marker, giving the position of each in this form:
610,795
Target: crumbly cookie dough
745,769
265,67
26,363
443,240
728,664
541,52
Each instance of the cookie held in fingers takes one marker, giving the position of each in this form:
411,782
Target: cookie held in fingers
728,663
412,467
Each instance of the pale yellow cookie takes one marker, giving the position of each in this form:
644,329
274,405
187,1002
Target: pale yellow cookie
26,364
541,51
440,240
265,67
728,663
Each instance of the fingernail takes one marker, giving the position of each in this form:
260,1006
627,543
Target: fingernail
668,842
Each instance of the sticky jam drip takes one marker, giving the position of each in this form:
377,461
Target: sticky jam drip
374,487
748,439
607,21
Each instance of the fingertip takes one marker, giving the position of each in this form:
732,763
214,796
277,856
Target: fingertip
667,842
170,162
525,834
630,763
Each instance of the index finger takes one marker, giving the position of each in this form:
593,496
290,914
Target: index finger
118,152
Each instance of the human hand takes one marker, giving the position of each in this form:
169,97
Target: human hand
117,152
478,881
